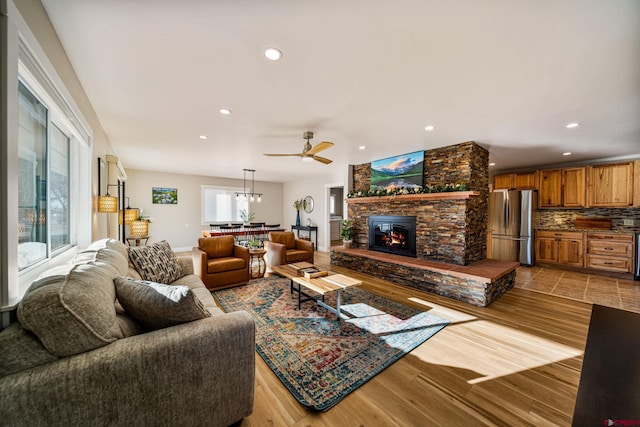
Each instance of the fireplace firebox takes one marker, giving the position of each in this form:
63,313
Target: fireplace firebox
393,234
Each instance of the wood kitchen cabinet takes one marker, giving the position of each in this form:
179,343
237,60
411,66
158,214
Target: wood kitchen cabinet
550,188
561,188
517,181
610,251
573,187
611,185
560,247
504,182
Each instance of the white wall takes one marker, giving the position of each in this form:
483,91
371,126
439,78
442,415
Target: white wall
180,224
315,187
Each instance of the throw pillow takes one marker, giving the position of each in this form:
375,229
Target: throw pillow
156,305
155,263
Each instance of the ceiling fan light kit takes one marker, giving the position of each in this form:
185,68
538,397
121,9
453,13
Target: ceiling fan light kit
309,152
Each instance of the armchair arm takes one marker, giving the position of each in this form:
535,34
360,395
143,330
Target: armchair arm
182,375
276,254
241,252
304,245
199,262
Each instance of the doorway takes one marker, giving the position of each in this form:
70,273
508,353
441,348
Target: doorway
336,211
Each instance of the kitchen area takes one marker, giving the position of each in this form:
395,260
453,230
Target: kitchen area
583,218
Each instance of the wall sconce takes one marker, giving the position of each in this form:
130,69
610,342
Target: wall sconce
130,214
106,203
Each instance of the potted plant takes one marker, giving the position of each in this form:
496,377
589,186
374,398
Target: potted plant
247,217
254,244
347,232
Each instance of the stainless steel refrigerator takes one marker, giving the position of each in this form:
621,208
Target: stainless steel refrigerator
511,225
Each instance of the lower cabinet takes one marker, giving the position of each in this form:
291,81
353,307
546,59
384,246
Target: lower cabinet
600,251
560,247
611,252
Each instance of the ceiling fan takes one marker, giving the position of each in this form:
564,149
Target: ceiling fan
309,152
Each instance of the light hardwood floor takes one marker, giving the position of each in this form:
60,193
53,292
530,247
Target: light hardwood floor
516,362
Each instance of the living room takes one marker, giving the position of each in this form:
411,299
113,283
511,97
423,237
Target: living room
212,150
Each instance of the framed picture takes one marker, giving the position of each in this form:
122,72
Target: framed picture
404,171
164,196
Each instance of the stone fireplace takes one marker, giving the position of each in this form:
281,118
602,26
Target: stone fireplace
393,234
450,230
450,227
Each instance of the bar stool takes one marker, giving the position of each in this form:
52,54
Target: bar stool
261,234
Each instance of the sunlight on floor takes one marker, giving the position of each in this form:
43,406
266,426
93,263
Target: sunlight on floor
478,341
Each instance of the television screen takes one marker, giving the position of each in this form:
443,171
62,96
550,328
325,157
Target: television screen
404,171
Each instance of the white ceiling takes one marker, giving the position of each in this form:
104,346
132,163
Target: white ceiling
508,74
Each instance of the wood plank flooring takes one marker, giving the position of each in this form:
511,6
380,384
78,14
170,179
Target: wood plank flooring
516,362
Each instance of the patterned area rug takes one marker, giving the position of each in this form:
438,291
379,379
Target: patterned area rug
319,359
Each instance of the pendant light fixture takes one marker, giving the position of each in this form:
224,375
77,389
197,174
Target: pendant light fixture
252,195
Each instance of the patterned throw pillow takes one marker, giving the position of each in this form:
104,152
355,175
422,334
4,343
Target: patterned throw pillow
155,263
156,305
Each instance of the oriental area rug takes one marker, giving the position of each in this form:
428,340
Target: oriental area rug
319,359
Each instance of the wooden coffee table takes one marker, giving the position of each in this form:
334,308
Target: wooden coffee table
320,285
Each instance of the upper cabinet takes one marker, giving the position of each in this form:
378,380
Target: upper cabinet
518,181
573,187
550,189
561,188
611,185
607,186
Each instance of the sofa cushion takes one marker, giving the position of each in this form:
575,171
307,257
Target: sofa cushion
157,305
218,246
155,263
71,310
21,350
219,265
295,255
108,251
199,290
286,238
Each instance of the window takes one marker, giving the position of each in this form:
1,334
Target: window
43,182
221,204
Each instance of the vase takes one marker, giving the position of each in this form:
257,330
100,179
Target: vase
297,218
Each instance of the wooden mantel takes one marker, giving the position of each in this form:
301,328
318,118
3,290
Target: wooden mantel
453,195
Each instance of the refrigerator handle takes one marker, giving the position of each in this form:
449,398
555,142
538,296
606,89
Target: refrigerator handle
505,211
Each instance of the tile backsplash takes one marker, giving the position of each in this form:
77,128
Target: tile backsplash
563,218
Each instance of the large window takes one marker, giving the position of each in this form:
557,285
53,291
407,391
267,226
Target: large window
221,204
43,183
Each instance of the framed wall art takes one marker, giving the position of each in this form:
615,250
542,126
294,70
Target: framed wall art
164,196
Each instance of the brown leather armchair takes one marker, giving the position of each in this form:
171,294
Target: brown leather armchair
283,248
220,263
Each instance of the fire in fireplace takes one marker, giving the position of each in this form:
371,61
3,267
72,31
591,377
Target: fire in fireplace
393,234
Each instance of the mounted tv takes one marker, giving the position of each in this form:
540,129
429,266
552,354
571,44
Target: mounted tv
404,171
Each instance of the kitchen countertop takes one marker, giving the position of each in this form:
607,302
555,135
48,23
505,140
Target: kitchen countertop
587,230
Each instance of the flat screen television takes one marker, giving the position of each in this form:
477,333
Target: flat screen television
403,171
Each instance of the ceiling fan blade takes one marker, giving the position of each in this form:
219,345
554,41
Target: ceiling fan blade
319,147
322,160
274,155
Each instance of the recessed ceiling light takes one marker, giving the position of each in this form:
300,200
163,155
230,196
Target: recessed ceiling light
362,147
203,136
429,128
225,111
492,164
572,125
273,54
568,153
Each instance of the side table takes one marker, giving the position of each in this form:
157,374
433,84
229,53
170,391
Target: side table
257,263
139,240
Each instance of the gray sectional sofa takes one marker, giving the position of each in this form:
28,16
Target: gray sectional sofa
96,345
